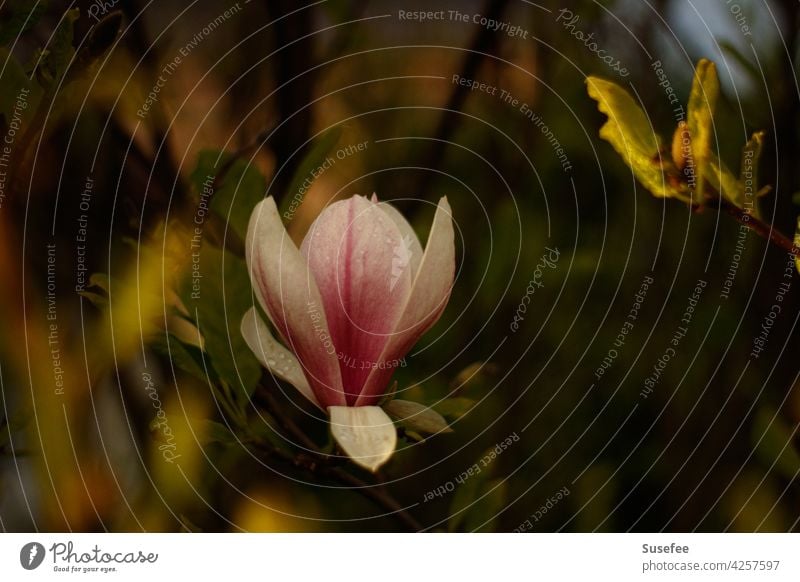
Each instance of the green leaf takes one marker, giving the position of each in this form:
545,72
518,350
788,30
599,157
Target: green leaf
236,194
312,160
209,164
263,429
416,417
185,357
700,119
18,18
215,432
218,299
628,130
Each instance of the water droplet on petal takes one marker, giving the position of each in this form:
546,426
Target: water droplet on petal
271,362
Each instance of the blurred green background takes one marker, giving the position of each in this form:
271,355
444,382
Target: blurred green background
256,99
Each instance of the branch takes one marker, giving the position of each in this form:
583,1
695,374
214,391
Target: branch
288,424
758,226
321,464
482,43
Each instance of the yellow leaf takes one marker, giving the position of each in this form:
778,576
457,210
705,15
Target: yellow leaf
747,195
722,180
628,129
700,119
797,244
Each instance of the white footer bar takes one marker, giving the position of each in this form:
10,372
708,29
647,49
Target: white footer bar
401,557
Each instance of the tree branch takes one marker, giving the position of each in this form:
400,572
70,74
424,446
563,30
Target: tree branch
320,463
482,43
757,225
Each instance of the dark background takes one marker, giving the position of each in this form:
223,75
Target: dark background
713,448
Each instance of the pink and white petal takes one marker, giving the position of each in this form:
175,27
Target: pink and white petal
365,433
426,302
289,295
411,253
352,251
273,356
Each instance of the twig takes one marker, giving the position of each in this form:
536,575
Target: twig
757,225
293,61
379,495
320,463
288,424
481,44
375,493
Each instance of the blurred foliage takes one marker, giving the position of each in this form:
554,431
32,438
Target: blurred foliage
151,368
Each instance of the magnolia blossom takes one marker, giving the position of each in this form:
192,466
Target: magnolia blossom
348,305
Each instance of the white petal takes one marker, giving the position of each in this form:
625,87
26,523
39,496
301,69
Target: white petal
272,355
290,297
366,433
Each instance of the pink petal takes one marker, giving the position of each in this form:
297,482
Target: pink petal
289,296
412,249
426,301
355,252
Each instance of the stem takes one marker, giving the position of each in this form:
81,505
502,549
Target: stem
288,424
379,495
481,44
375,493
320,463
760,227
